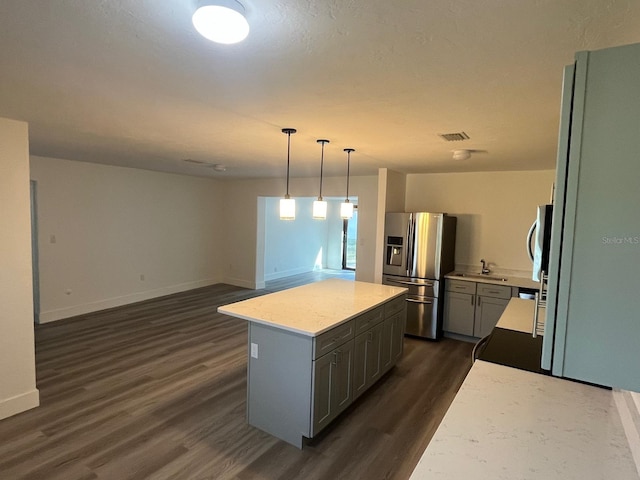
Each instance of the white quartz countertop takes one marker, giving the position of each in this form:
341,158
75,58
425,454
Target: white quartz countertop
510,424
511,280
518,315
314,308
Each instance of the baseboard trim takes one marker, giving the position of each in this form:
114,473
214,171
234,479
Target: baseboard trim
287,273
240,282
83,309
19,403
626,403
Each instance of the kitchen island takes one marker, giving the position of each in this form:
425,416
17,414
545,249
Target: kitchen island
314,349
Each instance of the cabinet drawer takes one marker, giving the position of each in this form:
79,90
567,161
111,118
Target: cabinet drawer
495,291
335,337
461,286
368,319
394,306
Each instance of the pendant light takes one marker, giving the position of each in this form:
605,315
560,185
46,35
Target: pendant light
320,206
287,204
346,207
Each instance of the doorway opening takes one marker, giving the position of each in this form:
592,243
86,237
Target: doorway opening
350,240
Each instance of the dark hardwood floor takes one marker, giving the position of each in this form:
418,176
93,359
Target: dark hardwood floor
156,390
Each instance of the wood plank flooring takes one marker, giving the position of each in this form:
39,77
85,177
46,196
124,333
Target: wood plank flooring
156,390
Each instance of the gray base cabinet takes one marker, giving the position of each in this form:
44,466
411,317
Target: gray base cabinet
332,379
487,313
297,385
393,339
473,309
459,312
368,360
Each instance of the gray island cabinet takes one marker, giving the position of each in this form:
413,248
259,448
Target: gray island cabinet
314,349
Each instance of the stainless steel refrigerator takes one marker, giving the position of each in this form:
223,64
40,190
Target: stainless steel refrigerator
592,328
419,251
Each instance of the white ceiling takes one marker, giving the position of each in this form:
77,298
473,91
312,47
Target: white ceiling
129,82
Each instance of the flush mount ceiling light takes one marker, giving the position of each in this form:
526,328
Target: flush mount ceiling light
320,206
221,21
288,204
346,207
461,154
465,154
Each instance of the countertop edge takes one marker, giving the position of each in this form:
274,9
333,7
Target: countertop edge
512,281
307,332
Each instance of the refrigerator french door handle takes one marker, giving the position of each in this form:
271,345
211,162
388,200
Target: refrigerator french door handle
534,332
411,300
409,243
529,237
413,284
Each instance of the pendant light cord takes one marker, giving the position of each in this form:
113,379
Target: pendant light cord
288,131
321,164
321,169
288,159
348,150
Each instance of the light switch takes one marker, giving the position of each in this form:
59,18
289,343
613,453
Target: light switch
254,350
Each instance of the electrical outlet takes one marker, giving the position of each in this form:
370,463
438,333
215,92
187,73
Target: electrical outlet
52,239
142,277
254,350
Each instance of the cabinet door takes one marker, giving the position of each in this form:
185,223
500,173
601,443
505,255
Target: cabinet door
322,402
392,344
397,337
360,346
488,312
342,373
367,359
459,311
374,354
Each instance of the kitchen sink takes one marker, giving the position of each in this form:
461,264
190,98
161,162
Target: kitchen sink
481,277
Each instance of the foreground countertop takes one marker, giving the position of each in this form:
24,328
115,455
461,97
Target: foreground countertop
314,308
506,423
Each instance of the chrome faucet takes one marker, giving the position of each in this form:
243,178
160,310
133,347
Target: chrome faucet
485,269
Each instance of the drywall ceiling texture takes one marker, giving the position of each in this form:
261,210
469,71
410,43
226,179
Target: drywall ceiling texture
131,83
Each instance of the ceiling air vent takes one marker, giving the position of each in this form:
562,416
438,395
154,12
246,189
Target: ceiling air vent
454,137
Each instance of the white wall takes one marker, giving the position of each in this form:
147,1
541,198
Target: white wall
494,210
391,198
243,200
17,358
304,244
103,227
